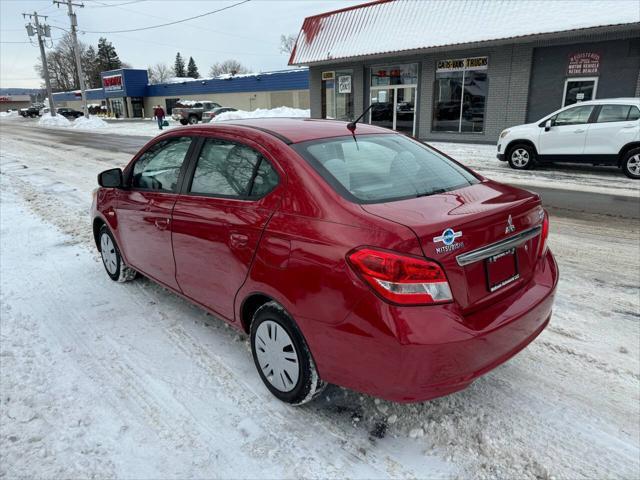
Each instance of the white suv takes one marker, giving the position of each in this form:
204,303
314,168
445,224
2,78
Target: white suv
597,132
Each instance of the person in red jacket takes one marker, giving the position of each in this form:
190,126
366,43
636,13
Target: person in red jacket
158,113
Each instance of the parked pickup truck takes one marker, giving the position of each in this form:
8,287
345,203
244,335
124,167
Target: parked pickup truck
190,111
33,111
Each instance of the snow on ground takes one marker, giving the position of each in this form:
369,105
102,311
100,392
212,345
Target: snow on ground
278,112
46,120
12,113
482,159
101,379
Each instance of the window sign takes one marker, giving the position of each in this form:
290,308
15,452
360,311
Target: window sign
112,82
328,75
461,88
344,84
585,63
394,75
460,64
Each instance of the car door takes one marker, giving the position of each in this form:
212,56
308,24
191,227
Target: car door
615,126
231,192
567,134
144,208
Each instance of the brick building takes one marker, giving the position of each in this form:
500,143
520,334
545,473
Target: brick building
465,70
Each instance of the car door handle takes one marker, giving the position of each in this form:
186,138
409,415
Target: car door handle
161,223
580,130
628,126
238,240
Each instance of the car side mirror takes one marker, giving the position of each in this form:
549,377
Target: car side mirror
111,178
547,125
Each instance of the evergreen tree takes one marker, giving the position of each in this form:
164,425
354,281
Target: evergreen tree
192,69
107,56
178,66
91,67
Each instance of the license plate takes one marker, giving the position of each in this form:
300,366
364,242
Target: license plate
501,269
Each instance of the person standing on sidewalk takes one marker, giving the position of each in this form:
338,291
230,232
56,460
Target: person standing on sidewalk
158,112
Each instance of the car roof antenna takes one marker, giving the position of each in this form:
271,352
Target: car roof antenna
351,126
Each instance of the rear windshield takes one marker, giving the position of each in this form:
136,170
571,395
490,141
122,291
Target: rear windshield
382,168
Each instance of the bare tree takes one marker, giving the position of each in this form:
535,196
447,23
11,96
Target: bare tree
159,73
230,66
287,42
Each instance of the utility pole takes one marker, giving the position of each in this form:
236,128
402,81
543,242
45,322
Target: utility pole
42,31
74,37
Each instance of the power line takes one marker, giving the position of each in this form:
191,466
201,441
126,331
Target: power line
103,5
172,23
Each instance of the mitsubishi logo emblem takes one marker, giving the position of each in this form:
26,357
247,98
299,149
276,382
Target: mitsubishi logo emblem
510,226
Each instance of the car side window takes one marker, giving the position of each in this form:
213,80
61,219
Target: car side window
159,167
613,113
229,169
634,113
573,116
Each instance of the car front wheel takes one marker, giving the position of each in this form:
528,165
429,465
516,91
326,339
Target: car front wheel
631,163
282,356
521,157
117,270
193,120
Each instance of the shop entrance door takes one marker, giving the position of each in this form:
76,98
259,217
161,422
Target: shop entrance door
579,90
394,107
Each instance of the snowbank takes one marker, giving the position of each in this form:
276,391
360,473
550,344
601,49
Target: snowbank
12,113
90,123
263,113
48,121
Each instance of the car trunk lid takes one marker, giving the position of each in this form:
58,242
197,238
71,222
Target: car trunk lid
466,221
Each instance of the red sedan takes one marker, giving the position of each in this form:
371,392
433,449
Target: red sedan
364,259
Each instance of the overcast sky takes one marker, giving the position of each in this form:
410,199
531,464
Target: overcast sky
249,33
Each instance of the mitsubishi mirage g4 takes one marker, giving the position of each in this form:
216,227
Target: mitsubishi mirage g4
357,257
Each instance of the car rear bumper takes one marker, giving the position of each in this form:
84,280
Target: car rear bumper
414,354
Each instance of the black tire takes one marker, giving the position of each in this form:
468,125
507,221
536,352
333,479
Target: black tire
117,270
631,163
521,156
193,119
184,121
308,385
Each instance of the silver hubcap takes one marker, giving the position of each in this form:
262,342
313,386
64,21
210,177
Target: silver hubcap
277,356
633,165
520,157
109,255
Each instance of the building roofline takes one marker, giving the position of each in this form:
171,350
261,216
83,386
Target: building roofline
477,44
346,9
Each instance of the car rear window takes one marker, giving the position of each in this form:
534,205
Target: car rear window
382,168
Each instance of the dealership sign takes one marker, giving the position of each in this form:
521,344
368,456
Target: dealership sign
112,82
460,64
585,63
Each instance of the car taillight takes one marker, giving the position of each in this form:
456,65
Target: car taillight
401,279
544,234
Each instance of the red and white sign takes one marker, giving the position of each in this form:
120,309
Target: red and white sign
112,82
585,63
15,98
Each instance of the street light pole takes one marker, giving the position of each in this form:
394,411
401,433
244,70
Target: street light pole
74,36
40,31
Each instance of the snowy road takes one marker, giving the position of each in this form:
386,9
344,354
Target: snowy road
110,380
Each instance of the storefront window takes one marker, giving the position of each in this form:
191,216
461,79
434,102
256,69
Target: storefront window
337,95
393,96
460,94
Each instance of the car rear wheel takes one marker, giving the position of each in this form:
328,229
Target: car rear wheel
183,121
111,258
631,163
193,119
521,157
282,356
